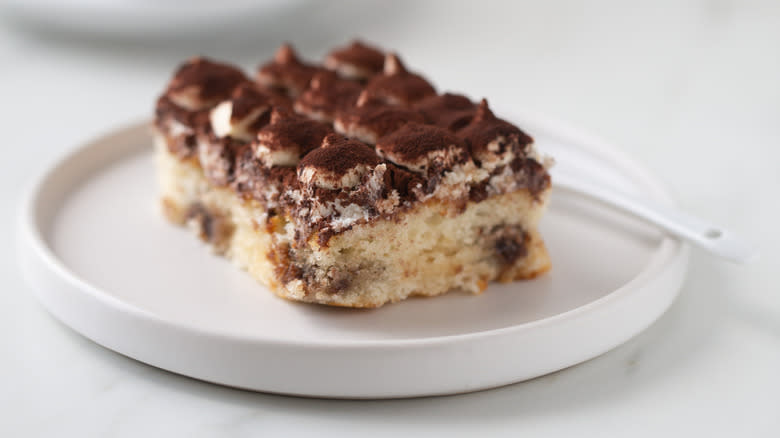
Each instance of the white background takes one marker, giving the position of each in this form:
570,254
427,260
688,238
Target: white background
690,89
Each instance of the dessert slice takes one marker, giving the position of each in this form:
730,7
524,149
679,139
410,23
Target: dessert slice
349,184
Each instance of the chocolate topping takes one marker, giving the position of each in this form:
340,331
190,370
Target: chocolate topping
166,111
340,163
339,154
291,133
286,72
356,61
396,85
422,147
426,145
372,119
200,83
486,128
450,111
243,114
326,95
247,98
179,126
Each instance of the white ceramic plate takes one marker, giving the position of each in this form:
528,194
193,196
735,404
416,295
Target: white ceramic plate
102,259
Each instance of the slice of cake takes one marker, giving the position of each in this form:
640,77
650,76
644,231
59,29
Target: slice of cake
351,183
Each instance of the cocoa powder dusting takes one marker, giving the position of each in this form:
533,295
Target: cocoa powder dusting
414,140
214,80
360,55
396,106
340,155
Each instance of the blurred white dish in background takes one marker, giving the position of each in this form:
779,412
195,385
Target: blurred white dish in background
139,19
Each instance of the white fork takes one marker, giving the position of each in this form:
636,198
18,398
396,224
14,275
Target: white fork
712,238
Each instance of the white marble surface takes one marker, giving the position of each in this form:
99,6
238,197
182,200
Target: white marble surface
691,89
